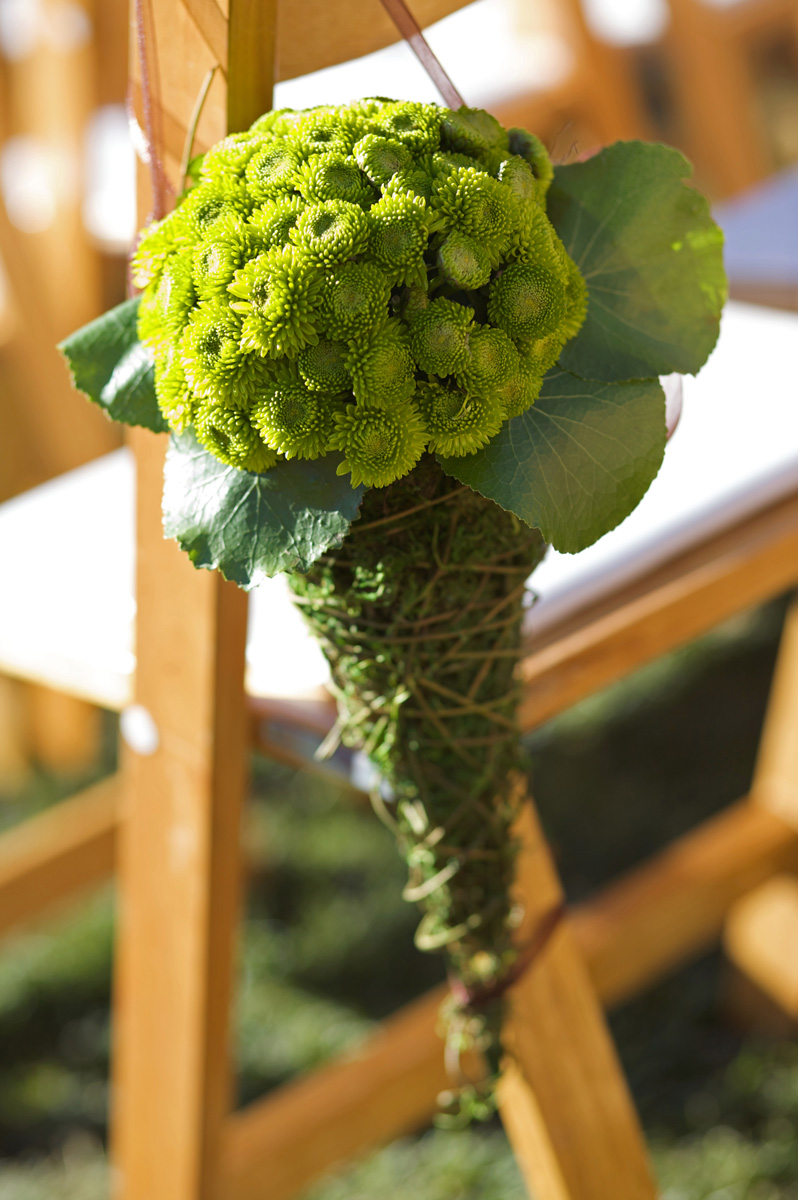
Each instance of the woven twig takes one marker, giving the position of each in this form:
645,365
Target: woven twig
419,613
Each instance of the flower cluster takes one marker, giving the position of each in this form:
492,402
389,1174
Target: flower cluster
372,280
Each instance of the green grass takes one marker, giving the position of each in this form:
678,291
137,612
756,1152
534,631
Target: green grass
328,951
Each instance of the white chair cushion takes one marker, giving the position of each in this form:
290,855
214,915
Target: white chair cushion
67,611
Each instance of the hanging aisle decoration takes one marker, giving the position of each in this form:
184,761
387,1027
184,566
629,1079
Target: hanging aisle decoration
398,354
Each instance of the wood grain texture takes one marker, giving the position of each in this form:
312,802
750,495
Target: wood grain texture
180,847
65,732
563,1098
312,34
179,867
761,939
673,906
46,427
641,926
55,857
776,774
384,1089
689,595
251,54
212,24
715,94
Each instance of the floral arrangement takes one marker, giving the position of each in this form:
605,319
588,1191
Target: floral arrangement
398,352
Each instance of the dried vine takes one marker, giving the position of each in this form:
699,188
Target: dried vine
419,613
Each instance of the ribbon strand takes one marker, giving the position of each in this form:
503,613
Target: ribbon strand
410,30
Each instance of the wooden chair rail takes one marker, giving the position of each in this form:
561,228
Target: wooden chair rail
52,857
683,599
637,929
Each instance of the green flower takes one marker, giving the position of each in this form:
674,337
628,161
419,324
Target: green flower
354,300
380,158
534,152
458,423
229,435
275,219
443,163
158,242
398,237
379,444
516,174
478,206
292,420
355,118
279,301
575,300
381,367
412,300
472,131
230,156
520,391
341,253
527,301
416,126
321,132
463,261
331,232
175,398
214,364
334,177
439,336
492,358
322,366
208,207
540,354
272,171
535,241
164,311
280,122
413,181
215,262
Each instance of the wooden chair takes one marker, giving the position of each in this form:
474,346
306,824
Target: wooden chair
75,62
709,49
169,825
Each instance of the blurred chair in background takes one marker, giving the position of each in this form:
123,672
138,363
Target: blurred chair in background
65,230
695,581
725,57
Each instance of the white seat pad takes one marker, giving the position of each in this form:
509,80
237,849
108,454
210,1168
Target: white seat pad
67,611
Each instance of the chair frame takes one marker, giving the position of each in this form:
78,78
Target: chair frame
169,827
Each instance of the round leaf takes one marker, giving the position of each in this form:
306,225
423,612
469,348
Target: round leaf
652,258
576,463
253,526
109,364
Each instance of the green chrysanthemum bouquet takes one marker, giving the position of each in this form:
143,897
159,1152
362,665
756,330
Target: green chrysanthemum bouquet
398,353
376,280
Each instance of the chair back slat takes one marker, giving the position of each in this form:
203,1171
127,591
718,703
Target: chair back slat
313,34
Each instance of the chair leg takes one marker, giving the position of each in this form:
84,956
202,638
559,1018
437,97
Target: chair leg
776,775
563,1098
179,868
761,933
716,94
14,740
65,731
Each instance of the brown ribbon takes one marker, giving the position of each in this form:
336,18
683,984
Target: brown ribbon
146,48
410,30
479,997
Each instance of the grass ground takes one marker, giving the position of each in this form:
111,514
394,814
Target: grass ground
328,951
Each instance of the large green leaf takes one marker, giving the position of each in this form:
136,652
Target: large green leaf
577,462
254,526
652,258
109,364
